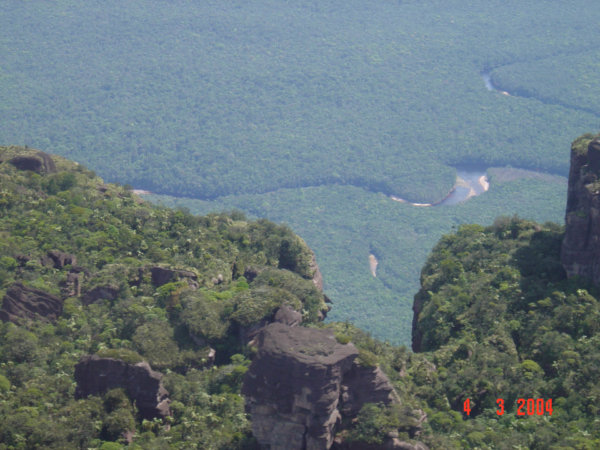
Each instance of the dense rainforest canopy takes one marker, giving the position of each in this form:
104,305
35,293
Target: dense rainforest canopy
203,99
309,109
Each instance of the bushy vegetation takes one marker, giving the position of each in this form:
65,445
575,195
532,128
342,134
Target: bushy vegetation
117,240
500,320
343,224
384,95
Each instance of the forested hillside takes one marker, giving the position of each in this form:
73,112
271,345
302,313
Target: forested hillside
303,112
497,319
86,268
344,224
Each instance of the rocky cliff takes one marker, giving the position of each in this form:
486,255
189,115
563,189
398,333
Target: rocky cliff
21,302
95,375
303,383
580,252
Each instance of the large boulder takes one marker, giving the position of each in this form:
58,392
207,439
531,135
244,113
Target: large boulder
391,444
365,385
39,162
580,252
61,259
162,276
29,303
295,406
95,375
108,292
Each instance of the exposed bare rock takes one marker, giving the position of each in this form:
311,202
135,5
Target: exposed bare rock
391,444
103,187
580,252
72,285
95,375
162,276
365,385
39,162
108,292
61,259
317,275
288,316
218,280
295,406
417,333
251,272
29,303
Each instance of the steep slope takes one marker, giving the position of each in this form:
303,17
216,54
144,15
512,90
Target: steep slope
498,318
100,290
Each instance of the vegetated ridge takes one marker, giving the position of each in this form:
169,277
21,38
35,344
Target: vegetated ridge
93,275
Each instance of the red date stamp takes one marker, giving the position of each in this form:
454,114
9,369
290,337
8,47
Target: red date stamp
529,407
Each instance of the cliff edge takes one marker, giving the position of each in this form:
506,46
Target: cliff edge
580,252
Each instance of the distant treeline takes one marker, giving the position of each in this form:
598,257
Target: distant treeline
201,100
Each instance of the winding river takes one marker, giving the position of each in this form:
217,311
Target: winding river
469,183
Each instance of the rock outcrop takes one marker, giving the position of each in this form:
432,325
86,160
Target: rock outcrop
95,375
39,162
300,404
288,316
29,303
365,385
295,406
317,276
580,252
391,444
61,259
162,276
108,292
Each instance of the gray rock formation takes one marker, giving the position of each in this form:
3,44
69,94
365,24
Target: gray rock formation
303,382
29,303
162,276
288,316
108,292
365,385
317,277
95,375
39,162
251,272
61,259
391,444
580,252
293,386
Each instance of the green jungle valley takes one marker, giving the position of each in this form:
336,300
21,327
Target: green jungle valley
311,225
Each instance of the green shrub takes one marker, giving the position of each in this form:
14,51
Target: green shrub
4,384
128,356
367,358
342,338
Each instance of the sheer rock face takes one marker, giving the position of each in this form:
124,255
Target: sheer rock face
29,303
365,385
95,375
317,276
293,387
580,252
300,381
417,333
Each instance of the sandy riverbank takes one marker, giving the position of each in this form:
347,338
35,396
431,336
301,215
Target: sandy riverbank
474,189
373,264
